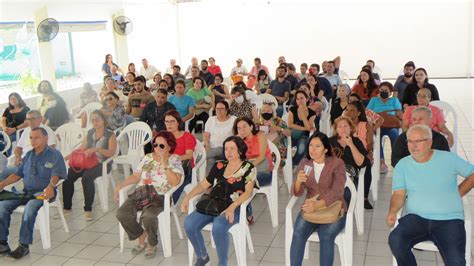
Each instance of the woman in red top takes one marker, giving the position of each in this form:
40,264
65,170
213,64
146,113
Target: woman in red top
213,68
366,87
184,148
258,152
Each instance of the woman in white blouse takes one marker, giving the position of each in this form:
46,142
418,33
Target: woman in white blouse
163,171
217,129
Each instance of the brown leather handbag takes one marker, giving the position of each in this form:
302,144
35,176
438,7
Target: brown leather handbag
390,121
325,214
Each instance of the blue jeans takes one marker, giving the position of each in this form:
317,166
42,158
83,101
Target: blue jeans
392,134
193,225
264,179
27,221
188,174
448,235
300,140
302,230
279,110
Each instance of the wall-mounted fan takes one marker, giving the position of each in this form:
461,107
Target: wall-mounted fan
123,25
47,30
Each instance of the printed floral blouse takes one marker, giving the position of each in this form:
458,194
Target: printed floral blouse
231,187
153,173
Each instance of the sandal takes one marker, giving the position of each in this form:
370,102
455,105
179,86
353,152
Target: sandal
138,249
150,252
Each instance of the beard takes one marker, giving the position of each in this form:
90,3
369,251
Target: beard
408,75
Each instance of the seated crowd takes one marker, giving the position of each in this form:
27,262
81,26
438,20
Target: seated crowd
238,129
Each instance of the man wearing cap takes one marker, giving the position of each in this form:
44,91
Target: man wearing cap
238,72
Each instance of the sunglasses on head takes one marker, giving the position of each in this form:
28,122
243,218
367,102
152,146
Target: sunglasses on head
155,145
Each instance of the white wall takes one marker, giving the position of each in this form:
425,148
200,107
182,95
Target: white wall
434,35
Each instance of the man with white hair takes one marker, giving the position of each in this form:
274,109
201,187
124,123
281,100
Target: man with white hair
422,115
427,181
33,120
148,70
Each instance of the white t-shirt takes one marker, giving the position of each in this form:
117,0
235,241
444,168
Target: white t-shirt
149,72
24,141
252,97
219,131
318,168
239,71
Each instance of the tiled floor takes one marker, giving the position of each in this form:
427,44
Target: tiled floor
97,243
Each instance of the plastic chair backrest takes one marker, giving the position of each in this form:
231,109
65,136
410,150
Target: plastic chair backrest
6,141
138,134
447,110
68,137
88,109
266,98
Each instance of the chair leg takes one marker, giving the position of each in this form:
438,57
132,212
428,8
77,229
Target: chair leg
249,240
59,205
121,237
165,234
306,250
274,207
178,225
190,253
43,224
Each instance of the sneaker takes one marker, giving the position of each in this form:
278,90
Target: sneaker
383,168
202,261
21,251
367,205
88,216
4,248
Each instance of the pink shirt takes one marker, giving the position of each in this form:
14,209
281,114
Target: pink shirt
436,120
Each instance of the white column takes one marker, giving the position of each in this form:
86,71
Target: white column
121,45
470,71
45,51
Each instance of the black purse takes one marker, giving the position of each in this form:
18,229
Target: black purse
144,195
215,203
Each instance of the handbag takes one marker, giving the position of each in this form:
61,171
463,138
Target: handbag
390,121
212,205
79,161
144,195
325,214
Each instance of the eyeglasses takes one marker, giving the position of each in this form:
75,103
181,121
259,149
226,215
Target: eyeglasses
32,118
108,99
156,145
418,141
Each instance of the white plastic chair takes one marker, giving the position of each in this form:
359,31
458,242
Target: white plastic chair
359,208
42,219
447,110
344,239
240,233
137,134
268,98
271,191
199,170
88,109
186,124
430,246
288,168
6,141
376,166
164,219
325,121
102,183
68,136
